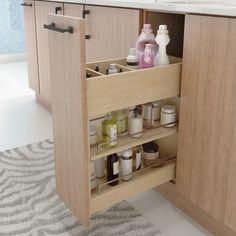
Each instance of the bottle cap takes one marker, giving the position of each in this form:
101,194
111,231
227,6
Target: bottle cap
147,28
127,153
150,147
97,68
162,29
133,52
156,103
112,66
108,116
148,48
136,111
168,109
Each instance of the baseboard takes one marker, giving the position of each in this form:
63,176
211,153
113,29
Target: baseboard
8,58
44,102
213,225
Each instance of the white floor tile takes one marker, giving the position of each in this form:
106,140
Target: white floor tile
14,81
168,218
23,121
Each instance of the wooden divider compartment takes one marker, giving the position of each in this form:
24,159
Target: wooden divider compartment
104,65
121,90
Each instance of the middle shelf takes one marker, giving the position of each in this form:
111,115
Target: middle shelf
126,142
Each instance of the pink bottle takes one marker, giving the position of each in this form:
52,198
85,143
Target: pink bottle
146,37
147,57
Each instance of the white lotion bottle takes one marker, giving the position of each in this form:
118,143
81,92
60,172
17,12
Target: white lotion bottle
99,167
136,124
133,59
162,40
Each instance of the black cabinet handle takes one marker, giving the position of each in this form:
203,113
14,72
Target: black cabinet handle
26,4
57,9
87,36
85,12
53,27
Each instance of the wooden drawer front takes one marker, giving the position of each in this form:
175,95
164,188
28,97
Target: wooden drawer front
70,121
113,92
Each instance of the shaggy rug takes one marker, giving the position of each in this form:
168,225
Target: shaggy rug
30,206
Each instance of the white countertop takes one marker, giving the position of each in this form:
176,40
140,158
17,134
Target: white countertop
211,7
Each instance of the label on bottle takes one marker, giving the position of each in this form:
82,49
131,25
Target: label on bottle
116,168
113,135
132,63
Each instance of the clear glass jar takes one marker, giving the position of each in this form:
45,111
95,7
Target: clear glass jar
148,120
121,118
156,110
93,135
168,116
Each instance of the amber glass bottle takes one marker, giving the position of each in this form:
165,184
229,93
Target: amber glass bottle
113,168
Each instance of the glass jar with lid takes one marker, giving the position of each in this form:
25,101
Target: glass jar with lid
168,116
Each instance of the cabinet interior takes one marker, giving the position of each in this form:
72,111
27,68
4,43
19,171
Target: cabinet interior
175,25
145,178
142,86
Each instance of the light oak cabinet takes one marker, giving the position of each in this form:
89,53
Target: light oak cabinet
76,100
31,44
110,32
207,132
42,9
103,40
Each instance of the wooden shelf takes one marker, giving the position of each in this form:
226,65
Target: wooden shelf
126,142
142,181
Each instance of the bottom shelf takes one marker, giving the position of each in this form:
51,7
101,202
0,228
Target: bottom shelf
143,180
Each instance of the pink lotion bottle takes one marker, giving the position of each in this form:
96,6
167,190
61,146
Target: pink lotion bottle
146,37
147,57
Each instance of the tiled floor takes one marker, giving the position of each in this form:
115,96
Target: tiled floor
23,121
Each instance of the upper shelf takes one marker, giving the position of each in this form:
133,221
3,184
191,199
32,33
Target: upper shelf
113,92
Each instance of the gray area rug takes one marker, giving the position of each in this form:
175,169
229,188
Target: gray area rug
30,206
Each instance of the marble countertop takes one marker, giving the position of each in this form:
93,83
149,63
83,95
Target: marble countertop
211,7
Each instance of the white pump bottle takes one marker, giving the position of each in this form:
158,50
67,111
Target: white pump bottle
162,40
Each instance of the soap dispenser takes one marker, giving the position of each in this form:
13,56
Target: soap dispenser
146,37
147,57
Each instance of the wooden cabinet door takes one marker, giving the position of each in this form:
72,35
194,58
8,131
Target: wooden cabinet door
42,9
75,10
206,164
70,116
112,31
31,44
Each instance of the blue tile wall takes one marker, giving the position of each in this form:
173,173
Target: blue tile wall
12,35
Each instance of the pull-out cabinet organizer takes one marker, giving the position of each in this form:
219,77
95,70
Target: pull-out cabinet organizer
76,100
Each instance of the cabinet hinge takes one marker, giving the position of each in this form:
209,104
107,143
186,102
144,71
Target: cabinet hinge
84,13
